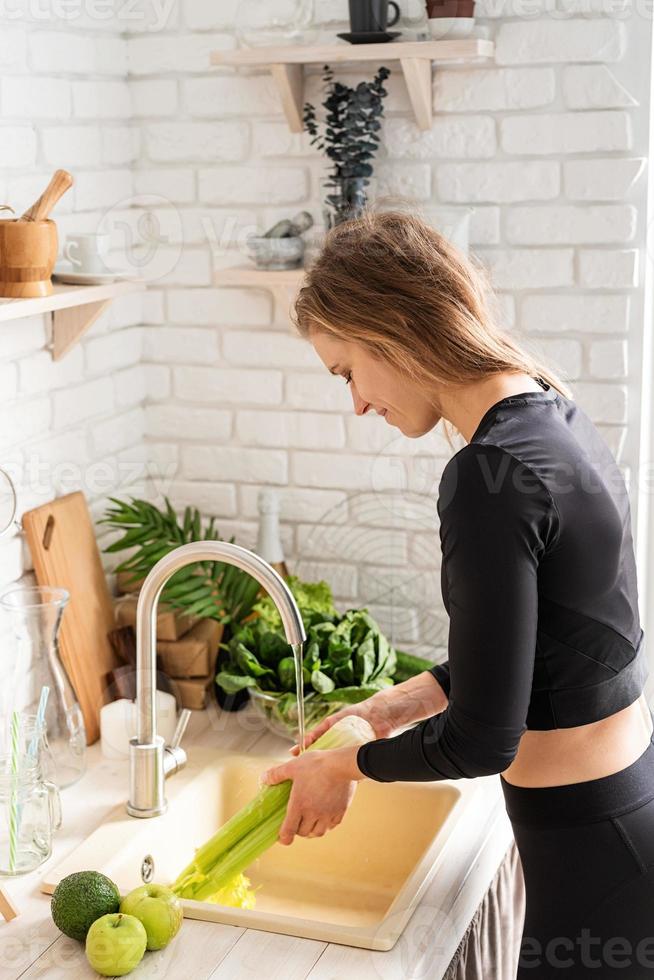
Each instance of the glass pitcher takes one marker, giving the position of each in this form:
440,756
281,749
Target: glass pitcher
30,812
34,616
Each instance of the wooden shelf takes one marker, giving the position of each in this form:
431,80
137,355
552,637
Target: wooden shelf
287,67
283,284
74,309
244,275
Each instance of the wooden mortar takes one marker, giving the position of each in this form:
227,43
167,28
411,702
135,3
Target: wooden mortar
28,252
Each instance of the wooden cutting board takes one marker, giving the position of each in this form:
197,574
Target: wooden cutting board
65,554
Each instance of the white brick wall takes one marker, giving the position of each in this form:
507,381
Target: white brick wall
65,102
543,144
547,144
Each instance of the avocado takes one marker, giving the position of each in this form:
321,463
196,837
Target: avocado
81,898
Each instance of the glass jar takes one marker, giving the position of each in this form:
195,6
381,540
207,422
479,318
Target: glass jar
34,615
260,23
33,741
280,711
30,812
346,200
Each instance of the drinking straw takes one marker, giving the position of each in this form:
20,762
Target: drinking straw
40,718
33,747
13,821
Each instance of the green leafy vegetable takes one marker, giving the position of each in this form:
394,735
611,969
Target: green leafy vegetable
346,657
314,600
408,666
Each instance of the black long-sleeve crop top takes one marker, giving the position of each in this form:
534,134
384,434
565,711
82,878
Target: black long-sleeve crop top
538,577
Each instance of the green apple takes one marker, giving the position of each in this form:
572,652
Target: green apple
115,944
160,911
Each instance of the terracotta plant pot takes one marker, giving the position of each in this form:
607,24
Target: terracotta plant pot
450,8
28,252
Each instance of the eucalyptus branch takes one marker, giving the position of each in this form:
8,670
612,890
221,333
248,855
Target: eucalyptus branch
350,132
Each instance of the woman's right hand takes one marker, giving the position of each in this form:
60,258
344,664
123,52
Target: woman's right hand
375,710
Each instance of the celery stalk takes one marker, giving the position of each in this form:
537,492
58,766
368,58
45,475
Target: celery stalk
239,858
237,893
255,828
268,800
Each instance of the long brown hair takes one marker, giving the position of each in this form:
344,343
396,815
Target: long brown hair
394,284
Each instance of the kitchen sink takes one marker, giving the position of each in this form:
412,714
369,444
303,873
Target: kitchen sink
357,885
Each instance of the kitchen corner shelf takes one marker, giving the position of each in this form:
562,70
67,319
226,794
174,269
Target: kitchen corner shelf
245,275
74,309
286,65
283,284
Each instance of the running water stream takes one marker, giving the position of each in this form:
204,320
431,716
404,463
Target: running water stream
297,649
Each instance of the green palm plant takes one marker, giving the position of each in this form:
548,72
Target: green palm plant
211,589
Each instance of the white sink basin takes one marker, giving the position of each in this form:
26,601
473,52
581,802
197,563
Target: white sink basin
357,885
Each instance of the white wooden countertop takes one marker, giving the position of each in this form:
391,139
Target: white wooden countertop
31,946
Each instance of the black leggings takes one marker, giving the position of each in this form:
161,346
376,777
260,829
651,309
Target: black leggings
587,854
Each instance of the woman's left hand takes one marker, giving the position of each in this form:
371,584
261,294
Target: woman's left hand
324,783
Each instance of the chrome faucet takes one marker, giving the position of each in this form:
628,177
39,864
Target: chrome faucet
150,760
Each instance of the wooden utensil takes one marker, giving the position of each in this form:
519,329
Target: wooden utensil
60,182
8,910
65,553
28,252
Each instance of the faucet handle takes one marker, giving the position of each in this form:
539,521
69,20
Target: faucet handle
182,722
174,754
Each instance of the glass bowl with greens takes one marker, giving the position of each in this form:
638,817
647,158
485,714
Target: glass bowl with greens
346,659
279,711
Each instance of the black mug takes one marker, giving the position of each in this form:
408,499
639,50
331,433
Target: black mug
368,16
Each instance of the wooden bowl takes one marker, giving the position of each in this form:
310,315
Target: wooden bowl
28,252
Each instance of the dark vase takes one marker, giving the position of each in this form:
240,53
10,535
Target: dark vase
346,200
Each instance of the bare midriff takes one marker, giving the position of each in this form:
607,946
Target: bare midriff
560,756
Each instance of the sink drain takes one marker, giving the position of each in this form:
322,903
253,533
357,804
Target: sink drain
147,869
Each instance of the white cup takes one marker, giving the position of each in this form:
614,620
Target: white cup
86,252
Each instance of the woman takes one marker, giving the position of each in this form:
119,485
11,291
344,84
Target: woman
546,662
